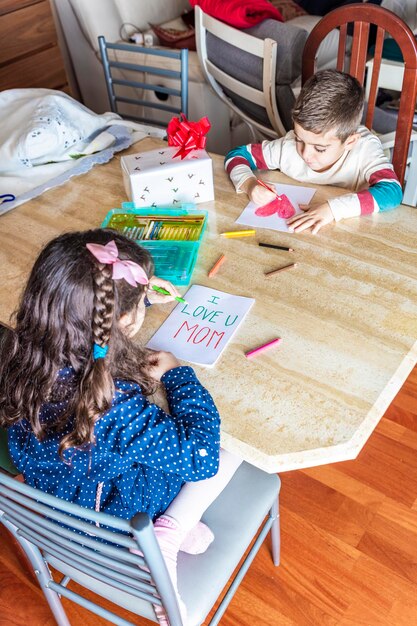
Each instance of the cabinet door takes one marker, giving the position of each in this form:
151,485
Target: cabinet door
29,54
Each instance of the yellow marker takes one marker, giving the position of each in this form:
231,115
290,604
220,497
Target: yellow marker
239,233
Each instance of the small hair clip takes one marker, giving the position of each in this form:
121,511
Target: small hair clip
132,272
99,352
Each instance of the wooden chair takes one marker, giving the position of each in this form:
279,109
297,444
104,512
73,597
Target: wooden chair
79,546
228,88
362,16
141,86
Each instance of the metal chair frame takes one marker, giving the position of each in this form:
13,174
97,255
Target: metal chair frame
111,82
77,543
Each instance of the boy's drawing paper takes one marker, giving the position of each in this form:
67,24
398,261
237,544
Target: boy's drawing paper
296,195
200,330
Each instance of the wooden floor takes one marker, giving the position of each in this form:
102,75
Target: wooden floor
349,544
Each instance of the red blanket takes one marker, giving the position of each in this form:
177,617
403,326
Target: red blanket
239,13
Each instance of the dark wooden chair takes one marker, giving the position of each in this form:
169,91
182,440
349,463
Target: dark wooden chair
362,17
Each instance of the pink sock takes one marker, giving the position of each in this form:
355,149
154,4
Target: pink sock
169,536
197,540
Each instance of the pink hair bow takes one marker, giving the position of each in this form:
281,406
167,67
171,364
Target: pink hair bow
132,272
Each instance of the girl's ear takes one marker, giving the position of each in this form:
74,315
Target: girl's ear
127,319
352,140
130,323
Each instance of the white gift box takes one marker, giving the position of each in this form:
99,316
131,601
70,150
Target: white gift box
156,178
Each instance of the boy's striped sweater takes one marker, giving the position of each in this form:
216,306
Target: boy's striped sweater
364,170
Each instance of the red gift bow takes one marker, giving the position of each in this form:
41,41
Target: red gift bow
187,135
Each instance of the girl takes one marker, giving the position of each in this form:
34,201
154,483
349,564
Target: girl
74,387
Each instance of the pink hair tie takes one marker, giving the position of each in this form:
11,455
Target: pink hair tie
132,272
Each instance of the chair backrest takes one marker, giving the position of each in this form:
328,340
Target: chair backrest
78,543
100,552
226,86
151,86
362,16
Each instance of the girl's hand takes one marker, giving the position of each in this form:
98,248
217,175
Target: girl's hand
155,297
161,362
313,217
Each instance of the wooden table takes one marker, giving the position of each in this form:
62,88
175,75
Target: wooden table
347,315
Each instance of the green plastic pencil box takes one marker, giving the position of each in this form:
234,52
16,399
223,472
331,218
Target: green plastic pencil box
172,236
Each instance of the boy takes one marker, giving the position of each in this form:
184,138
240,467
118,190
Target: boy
327,147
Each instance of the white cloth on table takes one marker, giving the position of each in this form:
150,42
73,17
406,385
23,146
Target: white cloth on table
48,137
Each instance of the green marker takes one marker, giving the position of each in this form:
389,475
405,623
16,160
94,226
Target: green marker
166,293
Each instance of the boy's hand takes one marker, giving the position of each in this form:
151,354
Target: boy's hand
313,217
161,362
257,193
159,298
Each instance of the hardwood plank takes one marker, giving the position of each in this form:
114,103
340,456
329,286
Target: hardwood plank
315,565
24,31
391,544
402,515
326,508
7,6
43,69
403,613
380,586
334,477
382,465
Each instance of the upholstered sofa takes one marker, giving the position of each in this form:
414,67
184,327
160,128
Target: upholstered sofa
80,22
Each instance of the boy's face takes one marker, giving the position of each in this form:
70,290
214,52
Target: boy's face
321,150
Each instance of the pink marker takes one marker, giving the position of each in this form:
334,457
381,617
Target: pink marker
266,346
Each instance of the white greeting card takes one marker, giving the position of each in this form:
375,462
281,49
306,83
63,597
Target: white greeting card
200,330
296,195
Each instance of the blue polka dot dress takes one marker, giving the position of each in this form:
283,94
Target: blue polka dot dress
142,455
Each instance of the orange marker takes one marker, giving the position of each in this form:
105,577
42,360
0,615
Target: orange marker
217,266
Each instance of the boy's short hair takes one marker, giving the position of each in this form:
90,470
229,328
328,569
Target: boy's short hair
330,100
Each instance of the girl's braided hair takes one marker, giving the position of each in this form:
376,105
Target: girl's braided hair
71,302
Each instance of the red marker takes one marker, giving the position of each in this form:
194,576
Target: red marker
261,182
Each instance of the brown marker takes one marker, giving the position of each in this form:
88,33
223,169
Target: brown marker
280,269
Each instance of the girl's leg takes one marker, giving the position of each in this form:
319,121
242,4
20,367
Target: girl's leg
185,512
193,500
